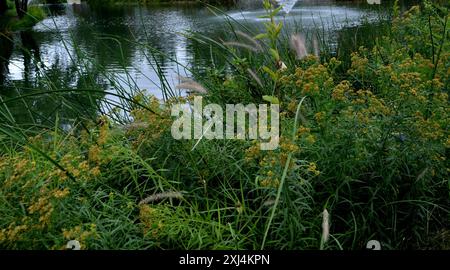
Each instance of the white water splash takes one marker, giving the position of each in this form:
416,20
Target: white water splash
287,5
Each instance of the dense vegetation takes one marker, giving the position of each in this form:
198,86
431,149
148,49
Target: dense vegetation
363,152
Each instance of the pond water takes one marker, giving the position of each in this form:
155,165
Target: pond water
119,38
128,48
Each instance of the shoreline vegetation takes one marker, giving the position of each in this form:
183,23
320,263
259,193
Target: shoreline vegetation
17,15
363,150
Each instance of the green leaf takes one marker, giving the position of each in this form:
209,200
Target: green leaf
264,17
272,74
261,36
271,99
275,11
274,54
266,4
278,28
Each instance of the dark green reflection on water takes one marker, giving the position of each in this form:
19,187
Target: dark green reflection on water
22,100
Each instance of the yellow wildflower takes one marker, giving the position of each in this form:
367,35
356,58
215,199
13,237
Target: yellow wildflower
310,139
319,116
59,194
312,167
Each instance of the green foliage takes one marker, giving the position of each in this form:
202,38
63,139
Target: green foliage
34,15
367,142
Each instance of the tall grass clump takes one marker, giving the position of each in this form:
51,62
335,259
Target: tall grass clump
362,156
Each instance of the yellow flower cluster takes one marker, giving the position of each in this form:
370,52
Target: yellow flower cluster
81,168
94,153
288,146
21,169
253,152
41,187
312,168
13,233
427,128
360,65
156,121
314,80
340,91
292,106
44,208
311,79
61,193
302,130
270,182
151,219
332,64
320,116
272,163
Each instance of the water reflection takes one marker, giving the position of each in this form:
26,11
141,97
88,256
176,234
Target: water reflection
24,76
6,50
119,38
31,54
81,50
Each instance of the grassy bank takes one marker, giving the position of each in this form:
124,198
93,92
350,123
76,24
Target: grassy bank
10,21
362,154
